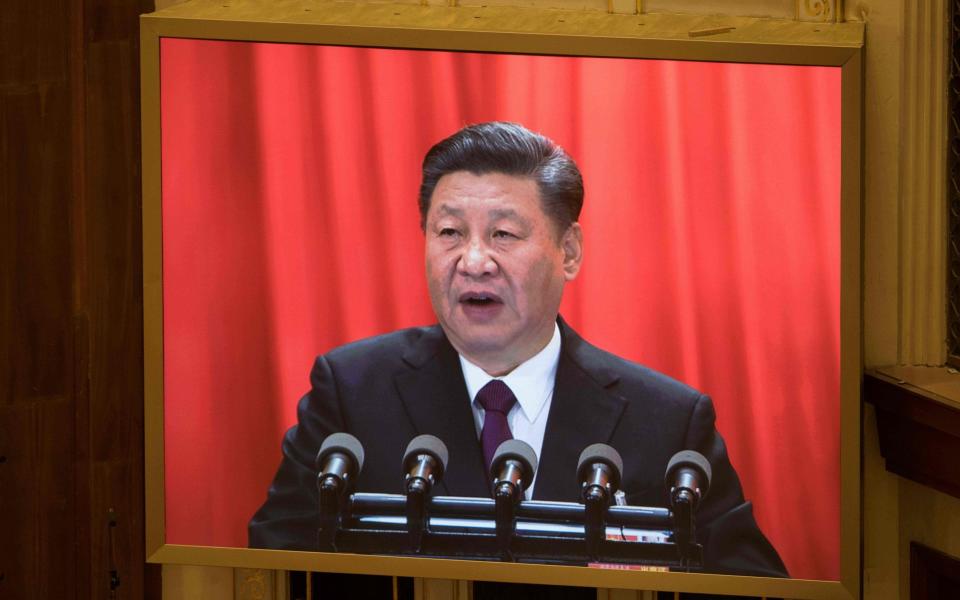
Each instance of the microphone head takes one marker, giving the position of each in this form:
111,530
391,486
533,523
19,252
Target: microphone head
519,451
690,459
427,444
343,443
601,453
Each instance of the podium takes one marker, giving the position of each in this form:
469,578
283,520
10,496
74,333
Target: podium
540,532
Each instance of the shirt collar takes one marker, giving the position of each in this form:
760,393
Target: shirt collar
531,381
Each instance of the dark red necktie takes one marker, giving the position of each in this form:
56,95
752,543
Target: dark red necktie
496,400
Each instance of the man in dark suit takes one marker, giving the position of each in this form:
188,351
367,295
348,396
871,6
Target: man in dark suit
499,207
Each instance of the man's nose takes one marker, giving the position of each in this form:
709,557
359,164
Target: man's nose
477,260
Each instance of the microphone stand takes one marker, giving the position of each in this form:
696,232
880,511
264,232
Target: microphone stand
330,488
685,529
505,502
416,513
595,528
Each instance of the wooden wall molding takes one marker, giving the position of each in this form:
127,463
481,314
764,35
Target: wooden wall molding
918,421
777,9
820,11
922,192
260,584
442,589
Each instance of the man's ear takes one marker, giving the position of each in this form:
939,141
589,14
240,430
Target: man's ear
572,245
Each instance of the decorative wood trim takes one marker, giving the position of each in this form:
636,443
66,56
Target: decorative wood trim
933,574
260,584
820,11
442,589
918,424
922,193
603,594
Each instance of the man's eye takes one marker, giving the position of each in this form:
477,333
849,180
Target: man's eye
448,232
500,233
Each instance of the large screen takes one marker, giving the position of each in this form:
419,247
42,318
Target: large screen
711,228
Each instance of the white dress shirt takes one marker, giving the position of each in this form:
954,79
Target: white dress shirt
532,383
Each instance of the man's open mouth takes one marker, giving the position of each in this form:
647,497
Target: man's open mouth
479,299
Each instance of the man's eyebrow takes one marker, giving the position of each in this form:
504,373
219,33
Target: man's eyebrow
494,214
506,213
450,210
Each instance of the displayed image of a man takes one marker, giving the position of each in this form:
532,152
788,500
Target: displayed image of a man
499,209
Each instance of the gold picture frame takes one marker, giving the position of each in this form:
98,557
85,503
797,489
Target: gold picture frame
529,31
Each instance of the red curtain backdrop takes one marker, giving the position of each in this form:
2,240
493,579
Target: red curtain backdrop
290,176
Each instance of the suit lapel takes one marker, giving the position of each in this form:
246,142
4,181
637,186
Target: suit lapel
585,410
435,396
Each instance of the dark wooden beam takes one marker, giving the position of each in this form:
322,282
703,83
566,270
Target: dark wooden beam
918,422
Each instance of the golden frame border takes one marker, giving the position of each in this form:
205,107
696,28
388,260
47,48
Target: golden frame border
532,31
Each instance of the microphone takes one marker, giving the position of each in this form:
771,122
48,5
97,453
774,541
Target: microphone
424,463
339,461
513,466
687,478
598,471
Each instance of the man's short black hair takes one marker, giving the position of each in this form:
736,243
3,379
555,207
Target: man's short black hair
510,149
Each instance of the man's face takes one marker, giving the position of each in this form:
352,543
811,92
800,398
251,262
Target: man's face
496,267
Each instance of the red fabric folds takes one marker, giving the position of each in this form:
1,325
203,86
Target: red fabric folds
712,228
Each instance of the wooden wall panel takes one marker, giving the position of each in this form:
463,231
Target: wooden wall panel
37,481
112,298
71,407
35,184
37,509
22,26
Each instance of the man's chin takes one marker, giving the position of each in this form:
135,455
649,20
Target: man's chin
479,341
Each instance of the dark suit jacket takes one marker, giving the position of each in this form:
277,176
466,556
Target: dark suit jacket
388,389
